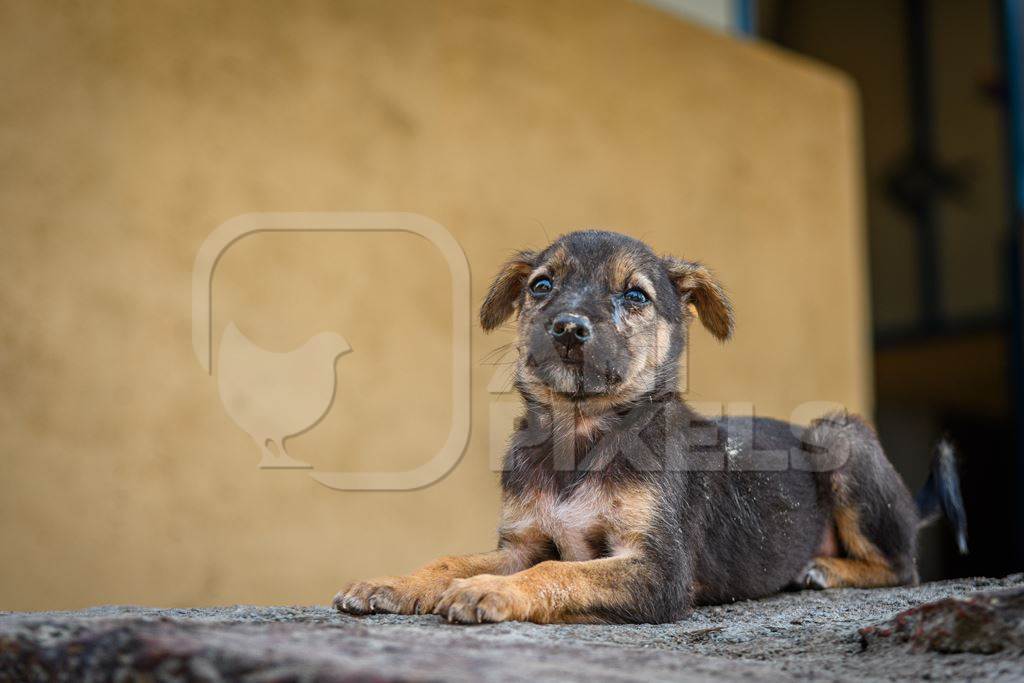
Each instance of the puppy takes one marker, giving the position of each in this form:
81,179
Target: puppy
620,503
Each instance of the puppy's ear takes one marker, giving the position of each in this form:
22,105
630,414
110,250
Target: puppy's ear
698,286
504,294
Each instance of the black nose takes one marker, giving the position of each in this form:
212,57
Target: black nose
569,329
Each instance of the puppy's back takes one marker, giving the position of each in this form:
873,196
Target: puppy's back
762,519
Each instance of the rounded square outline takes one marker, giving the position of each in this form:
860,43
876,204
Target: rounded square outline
234,229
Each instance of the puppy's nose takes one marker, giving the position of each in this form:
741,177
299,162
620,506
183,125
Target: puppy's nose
570,329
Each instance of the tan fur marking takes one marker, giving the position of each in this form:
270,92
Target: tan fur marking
595,406
643,282
625,515
621,269
701,288
847,573
829,546
554,590
458,566
520,535
502,297
559,261
864,565
571,589
547,592
588,426
662,343
633,514
419,592
854,542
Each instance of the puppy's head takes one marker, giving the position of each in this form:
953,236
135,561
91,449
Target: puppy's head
601,317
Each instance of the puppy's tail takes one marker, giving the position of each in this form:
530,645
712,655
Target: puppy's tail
940,495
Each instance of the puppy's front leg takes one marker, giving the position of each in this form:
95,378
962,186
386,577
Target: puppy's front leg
419,592
618,588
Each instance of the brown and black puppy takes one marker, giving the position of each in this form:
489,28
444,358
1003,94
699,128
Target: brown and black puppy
621,504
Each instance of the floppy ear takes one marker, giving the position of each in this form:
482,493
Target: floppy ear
503,296
698,286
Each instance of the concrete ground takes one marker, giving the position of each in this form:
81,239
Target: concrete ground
791,636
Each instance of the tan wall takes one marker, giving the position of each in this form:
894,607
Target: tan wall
129,131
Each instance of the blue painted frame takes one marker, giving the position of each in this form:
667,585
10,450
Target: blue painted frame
1013,18
746,17
1013,53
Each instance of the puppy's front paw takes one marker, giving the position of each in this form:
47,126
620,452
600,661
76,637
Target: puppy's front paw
814,576
482,599
355,598
390,595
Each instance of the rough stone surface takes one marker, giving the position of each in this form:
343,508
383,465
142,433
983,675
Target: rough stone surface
985,623
831,635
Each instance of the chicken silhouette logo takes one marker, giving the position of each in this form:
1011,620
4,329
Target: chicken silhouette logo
273,396
276,396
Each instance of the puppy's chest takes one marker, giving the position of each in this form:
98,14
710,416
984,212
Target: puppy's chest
577,524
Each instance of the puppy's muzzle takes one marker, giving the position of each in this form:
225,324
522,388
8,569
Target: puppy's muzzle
570,330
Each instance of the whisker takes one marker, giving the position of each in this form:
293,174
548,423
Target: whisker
498,351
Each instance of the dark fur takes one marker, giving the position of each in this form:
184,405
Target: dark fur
686,510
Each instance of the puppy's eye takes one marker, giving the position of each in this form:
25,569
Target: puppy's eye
635,296
541,286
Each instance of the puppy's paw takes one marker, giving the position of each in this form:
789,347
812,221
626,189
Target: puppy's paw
355,598
483,599
390,595
815,576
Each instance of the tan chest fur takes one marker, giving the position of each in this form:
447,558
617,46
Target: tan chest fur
582,524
